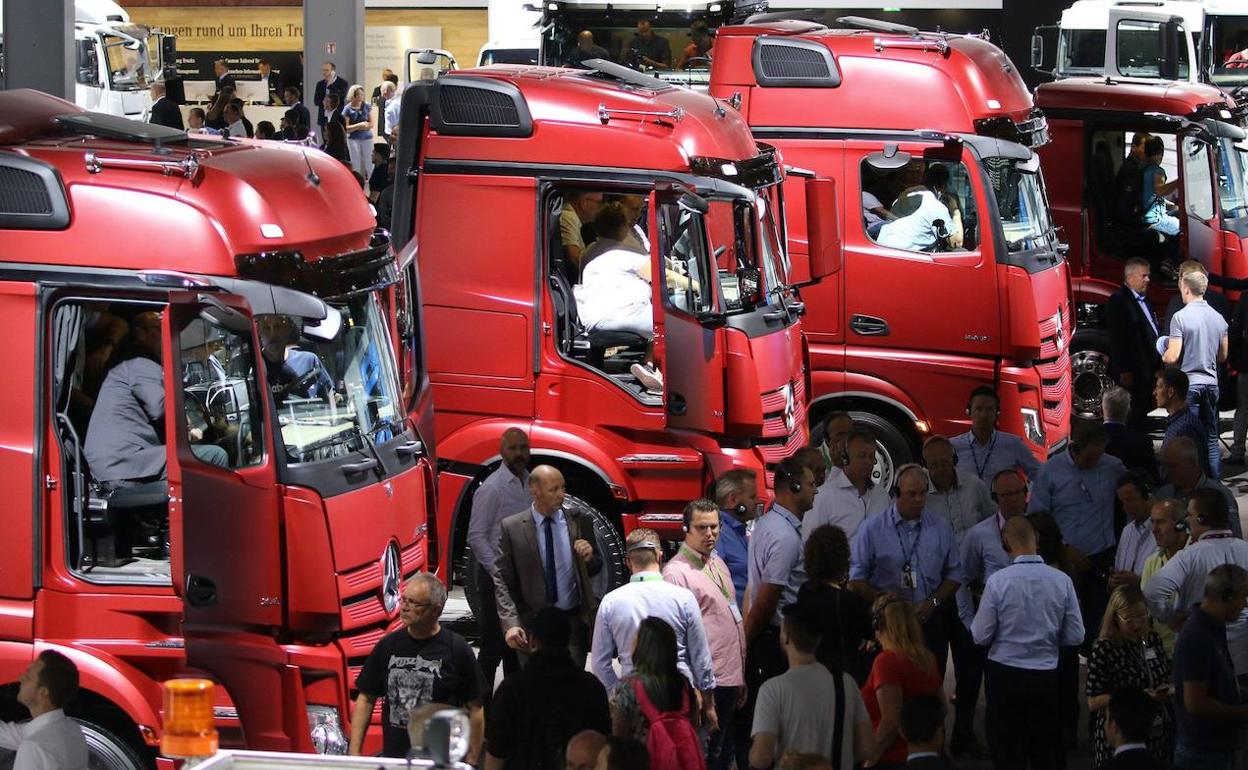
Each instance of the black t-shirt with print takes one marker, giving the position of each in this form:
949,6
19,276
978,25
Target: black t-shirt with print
408,673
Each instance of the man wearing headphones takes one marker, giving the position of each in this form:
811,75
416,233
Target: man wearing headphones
910,551
986,451
837,427
1178,586
737,494
1208,709
697,568
1181,459
982,554
956,494
1170,533
1029,611
1136,542
1077,487
849,497
776,569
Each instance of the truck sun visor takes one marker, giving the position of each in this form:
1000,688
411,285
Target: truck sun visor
32,196
787,63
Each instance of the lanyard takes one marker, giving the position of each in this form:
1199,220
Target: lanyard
705,568
645,578
979,469
908,556
1216,536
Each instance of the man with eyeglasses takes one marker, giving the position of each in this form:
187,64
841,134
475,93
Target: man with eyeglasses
421,663
1077,487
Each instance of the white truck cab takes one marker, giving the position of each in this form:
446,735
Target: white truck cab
116,61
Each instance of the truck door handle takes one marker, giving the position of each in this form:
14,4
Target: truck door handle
360,467
869,326
200,591
677,406
410,448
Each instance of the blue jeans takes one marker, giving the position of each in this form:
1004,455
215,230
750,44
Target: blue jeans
1188,758
1203,401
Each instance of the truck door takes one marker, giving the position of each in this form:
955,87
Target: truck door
688,340
899,272
1151,45
1200,202
224,514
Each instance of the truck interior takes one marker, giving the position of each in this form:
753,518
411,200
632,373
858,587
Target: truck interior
1118,234
895,185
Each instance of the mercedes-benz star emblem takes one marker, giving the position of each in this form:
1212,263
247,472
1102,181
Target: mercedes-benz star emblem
391,577
790,408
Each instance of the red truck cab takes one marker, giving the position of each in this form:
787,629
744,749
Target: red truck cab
487,158
265,542
1092,121
910,324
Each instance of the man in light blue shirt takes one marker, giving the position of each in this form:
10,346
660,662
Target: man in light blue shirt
1078,488
736,493
910,551
1198,342
646,595
1028,612
986,451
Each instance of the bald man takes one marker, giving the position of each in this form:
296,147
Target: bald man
586,49
583,750
546,556
504,492
1029,611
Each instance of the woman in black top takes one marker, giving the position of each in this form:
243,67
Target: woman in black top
848,641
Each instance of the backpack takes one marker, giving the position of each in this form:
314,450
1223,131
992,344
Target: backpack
672,742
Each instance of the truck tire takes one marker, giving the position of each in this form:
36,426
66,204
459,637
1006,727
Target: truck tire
892,448
108,751
1089,372
609,543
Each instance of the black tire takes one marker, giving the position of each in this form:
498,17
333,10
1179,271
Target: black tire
108,751
1089,372
892,448
609,543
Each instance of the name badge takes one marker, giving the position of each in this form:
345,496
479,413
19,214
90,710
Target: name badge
907,578
736,612
1150,653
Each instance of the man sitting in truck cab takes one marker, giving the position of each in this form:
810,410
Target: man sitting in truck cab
1155,189
923,220
291,371
579,208
1129,178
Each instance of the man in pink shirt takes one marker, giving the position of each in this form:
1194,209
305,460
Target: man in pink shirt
698,568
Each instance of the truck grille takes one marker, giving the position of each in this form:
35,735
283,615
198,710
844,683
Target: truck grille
1054,367
784,424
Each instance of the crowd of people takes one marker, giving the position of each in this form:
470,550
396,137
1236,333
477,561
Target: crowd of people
648,49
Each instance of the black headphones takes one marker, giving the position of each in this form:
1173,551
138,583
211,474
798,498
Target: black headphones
877,614
983,390
789,472
937,439
895,490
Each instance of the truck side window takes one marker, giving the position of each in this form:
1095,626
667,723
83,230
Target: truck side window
1197,182
686,257
926,205
219,395
1139,49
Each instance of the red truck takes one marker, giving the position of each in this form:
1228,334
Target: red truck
913,319
486,160
1092,121
251,517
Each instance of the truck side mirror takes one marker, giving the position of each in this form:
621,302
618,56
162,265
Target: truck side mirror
1044,50
87,69
822,228
1173,49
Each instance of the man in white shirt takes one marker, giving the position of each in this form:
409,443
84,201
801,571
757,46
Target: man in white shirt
849,497
1136,542
50,740
917,231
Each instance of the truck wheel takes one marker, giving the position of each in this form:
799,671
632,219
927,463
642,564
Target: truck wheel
107,751
1089,372
608,540
892,448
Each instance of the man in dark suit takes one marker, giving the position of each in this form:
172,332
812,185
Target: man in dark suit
164,111
1127,726
222,72
923,727
1129,444
329,83
1133,333
293,98
546,557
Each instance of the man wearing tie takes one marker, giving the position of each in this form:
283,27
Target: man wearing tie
1133,332
546,557
268,83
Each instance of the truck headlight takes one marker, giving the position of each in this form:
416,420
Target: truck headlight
326,727
1033,426
446,738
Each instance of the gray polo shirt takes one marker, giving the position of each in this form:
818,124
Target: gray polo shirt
122,440
1201,328
776,556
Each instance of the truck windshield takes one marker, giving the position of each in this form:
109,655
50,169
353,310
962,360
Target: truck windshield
1022,204
1233,179
1229,66
127,61
332,397
1081,52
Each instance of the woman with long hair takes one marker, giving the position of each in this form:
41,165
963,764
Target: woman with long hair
846,643
904,669
335,132
361,121
1129,654
654,667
